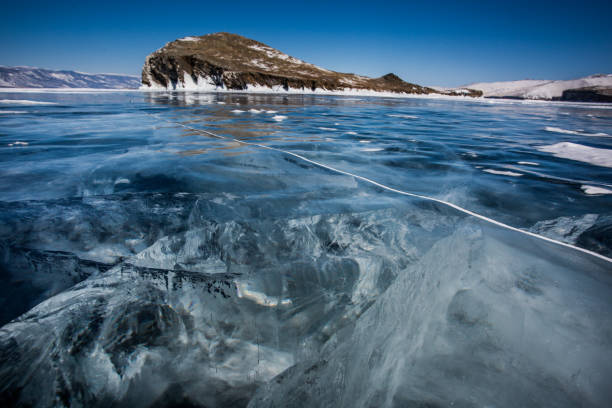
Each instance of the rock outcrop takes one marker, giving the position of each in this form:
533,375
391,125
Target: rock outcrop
588,94
224,61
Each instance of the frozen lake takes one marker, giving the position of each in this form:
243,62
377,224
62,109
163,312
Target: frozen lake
162,249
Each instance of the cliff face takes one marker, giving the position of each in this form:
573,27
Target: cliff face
229,61
588,94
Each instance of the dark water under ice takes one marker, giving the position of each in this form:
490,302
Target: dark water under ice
144,262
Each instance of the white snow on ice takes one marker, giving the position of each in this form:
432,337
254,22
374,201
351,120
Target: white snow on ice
11,112
572,132
401,115
578,152
593,190
503,173
24,102
18,144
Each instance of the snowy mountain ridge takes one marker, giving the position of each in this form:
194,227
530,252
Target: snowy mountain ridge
32,77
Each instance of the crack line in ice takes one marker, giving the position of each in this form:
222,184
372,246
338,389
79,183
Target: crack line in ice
394,190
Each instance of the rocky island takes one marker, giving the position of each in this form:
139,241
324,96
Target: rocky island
224,61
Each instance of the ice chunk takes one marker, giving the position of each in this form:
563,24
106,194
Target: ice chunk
477,321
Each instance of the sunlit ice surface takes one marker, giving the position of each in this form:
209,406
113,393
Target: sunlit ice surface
156,252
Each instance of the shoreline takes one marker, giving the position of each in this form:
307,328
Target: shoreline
298,92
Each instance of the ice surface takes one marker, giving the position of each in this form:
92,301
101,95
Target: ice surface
489,325
146,262
228,307
566,229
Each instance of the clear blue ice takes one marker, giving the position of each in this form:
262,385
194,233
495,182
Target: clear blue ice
146,263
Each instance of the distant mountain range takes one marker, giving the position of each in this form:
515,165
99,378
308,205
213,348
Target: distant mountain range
594,88
29,77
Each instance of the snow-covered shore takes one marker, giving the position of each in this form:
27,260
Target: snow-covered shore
537,89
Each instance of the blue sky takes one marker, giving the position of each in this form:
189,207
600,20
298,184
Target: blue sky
427,42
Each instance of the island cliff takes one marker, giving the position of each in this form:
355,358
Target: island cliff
588,94
224,61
